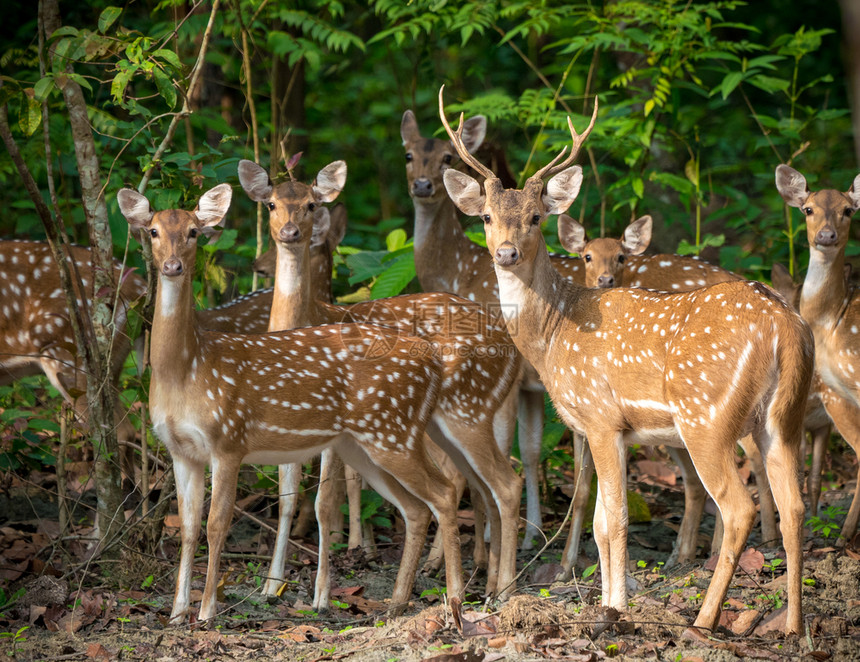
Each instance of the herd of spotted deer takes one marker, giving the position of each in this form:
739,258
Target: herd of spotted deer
419,394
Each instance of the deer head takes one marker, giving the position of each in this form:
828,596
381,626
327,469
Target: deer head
512,217
427,159
292,205
604,258
828,212
174,232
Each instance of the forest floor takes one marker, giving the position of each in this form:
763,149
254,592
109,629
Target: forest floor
60,607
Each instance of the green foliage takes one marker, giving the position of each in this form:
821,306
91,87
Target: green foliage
829,522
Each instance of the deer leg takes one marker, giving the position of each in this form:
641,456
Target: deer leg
330,466
289,479
189,491
447,466
611,515
694,506
846,418
530,438
820,437
414,511
225,476
784,471
718,473
581,492
353,497
766,506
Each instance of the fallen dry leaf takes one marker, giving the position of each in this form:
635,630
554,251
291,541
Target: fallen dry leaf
97,651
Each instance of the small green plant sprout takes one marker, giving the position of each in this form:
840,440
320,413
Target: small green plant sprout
827,523
544,593
15,639
379,624
808,581
436,592
340,605
309,613
346,629
773,565
641,564
775,598
589,571
148,582
612,650
122,621
695,599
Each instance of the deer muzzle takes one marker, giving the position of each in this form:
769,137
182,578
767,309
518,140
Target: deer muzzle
289,233
172,267
606,281
507,255
422,188
826,236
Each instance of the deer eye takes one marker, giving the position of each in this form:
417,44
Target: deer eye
807,211
485,218
447,159
271,206
311,206
192,233
588,257
536,219
849,211
408,157
153,232
620,259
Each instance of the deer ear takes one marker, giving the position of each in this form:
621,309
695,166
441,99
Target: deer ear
854,192
212,207
255,180
637,236
135,208
409,128
322,225
474,132
791,185
571,234
562,190
330,181
338,224
464,191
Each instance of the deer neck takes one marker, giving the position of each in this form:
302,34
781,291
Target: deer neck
532,300
175,341
438,238
293,304
822,297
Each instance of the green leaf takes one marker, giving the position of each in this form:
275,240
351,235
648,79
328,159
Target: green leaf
108,17
396,276
165,87
396,239
169,56
649,106
43,87
730,82
638,186
120,82
365,265
769,83
30,115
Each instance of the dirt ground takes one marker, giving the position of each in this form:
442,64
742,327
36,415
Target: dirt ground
85,616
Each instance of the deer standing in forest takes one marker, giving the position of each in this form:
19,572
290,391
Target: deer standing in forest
698,370
831,306
474,417
224,399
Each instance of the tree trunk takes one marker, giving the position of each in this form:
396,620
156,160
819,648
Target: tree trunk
850,26
100,395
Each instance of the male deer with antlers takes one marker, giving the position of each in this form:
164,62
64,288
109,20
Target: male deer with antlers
831,306
697,370
224,399
475,413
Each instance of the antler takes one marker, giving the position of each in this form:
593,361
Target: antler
551,168
457,139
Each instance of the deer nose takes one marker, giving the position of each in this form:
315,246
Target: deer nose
172,267
422,187
826,237
289,233
507,255
606,281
